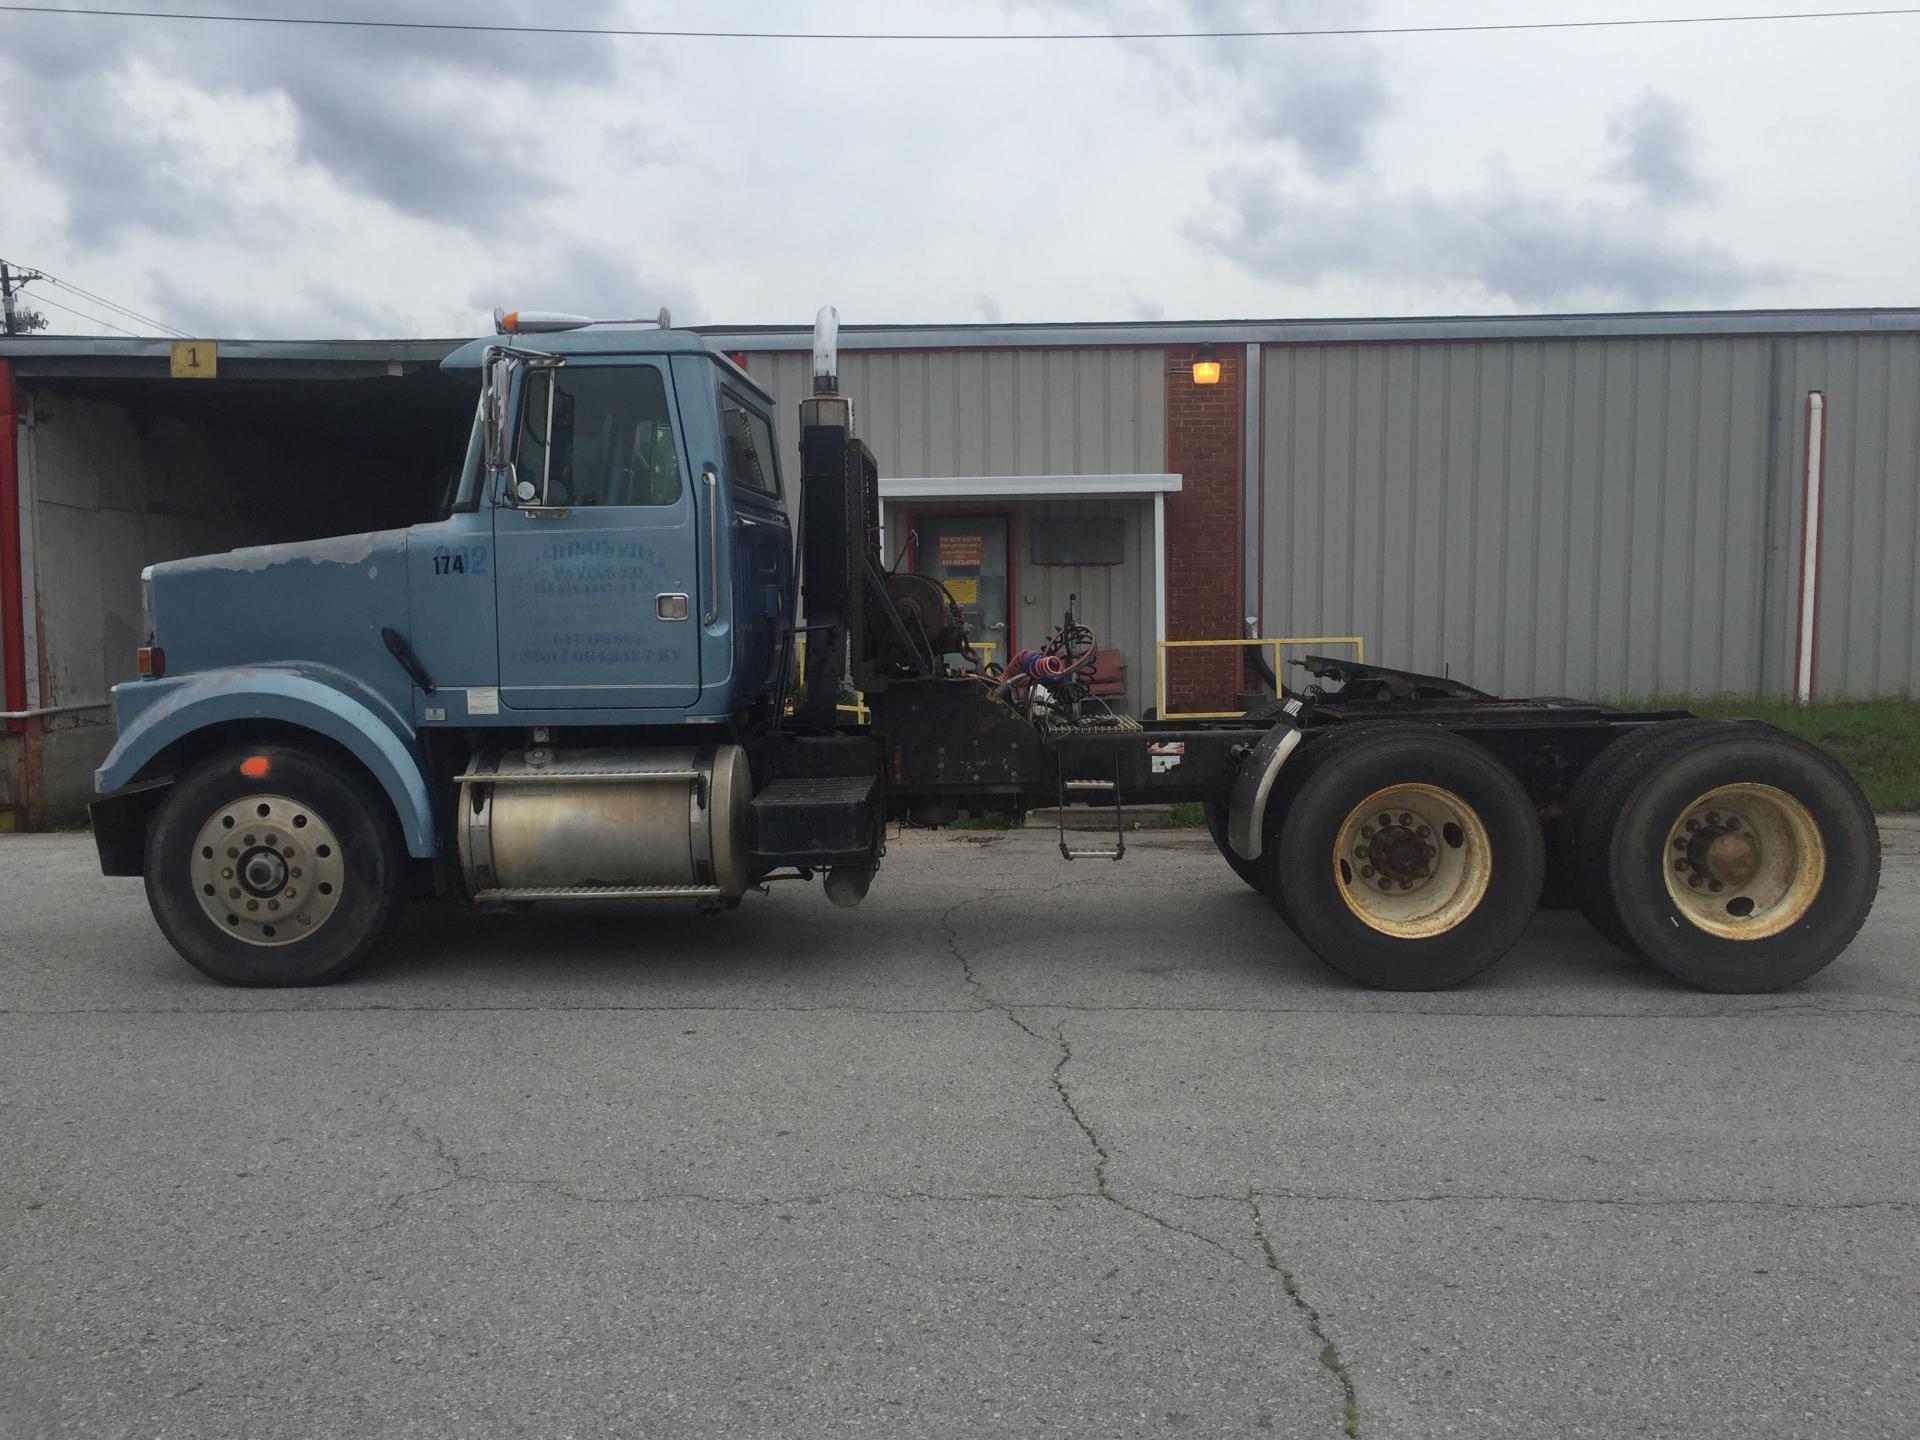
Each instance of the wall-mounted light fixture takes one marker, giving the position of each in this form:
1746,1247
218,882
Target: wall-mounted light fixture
1206,365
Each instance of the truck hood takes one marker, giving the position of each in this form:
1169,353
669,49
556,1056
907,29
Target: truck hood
324,601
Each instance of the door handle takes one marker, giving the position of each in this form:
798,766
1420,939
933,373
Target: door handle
712,482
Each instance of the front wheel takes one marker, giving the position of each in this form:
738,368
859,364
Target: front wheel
1408,858
268,866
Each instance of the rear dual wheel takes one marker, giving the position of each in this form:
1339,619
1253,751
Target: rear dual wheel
1734,857
1406,857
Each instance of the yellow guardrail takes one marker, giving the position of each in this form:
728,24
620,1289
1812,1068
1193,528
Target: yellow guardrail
1278,642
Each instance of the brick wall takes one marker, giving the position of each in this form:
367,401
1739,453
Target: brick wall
1203,531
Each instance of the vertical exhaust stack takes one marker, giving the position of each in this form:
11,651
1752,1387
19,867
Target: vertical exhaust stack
827,406
830,531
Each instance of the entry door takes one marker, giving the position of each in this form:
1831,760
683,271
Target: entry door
598,590
968,554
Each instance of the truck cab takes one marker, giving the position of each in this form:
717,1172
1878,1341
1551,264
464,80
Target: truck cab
631,558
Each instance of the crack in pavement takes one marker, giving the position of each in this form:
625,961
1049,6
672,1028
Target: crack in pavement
1103,1159
1329,1352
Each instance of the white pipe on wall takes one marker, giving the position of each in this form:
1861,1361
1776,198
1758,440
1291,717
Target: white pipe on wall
1814,485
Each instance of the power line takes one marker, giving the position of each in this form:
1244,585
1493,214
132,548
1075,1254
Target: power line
113,305
98,12
116,308
43,300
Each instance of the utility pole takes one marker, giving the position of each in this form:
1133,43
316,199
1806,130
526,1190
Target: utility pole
18,322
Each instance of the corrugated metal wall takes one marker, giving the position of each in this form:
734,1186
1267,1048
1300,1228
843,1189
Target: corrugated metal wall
991,412
1601,517
1869,614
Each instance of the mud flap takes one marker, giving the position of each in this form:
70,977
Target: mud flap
1247,809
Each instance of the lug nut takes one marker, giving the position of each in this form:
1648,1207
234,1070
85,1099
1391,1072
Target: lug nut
290,892
1681,866
232,853
1694,880
253,904
1713,817
233,892
1693,824
288,852
1386,819
1733,822
273,904
1423,832
1405,818
1386,885
1406,884
1367,831
1678,843
1715,886
1366,872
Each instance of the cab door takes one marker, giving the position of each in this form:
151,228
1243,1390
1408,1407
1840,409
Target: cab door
762,543
598,574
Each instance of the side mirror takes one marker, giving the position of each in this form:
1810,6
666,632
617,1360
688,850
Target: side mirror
498,392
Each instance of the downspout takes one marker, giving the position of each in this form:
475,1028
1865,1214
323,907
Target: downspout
13,626
13,597
1812,506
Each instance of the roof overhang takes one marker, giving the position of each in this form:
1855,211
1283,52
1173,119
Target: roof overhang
1003,487
753,339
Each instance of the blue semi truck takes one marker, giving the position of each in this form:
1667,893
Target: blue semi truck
612,670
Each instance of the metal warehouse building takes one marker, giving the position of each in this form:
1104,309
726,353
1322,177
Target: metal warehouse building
1619,506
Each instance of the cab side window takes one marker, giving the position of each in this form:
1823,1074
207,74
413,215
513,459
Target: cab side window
749,441
612,441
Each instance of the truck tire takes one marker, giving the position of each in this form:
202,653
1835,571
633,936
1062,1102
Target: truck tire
1247,870
267,865
1439,823
1742,860
1593,805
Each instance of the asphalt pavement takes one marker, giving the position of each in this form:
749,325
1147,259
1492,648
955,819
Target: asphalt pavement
1020,1148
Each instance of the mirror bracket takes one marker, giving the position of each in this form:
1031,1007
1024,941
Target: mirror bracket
499,365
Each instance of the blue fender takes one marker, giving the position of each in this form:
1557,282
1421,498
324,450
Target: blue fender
154,714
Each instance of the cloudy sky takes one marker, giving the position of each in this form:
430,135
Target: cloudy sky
278,180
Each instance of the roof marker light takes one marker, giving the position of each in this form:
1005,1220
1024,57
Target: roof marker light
531,322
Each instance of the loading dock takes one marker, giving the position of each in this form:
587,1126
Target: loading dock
109,464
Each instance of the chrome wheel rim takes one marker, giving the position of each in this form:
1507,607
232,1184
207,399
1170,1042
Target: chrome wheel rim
1744,861
267,870
1413,861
